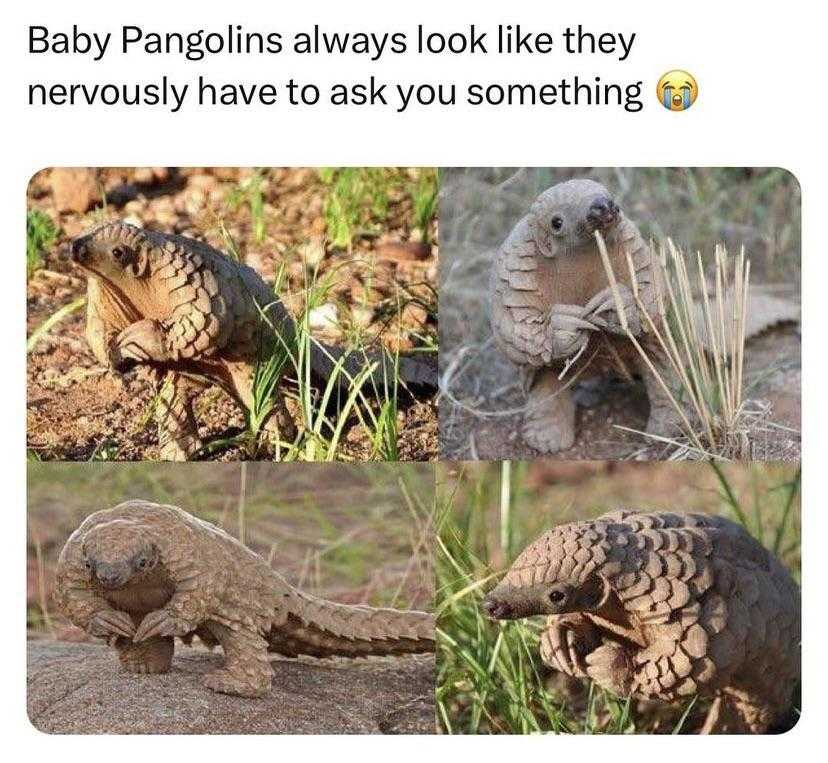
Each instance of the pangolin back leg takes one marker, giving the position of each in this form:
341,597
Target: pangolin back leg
246,671
664,420
549,423
177,430
279,423
713,719
738,712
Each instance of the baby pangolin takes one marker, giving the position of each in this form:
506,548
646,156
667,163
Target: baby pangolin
664,606
552,303
194,315
140,574
555,316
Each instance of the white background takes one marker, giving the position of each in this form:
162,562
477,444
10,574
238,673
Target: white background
760,69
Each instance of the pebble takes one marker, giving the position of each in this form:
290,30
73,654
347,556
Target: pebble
362,316
313,251
74,189
324,317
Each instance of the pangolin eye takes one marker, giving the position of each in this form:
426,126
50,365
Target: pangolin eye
142,563
118,252
556,597
556,222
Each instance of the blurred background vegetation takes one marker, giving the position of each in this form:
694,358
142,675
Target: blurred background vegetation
356,534
490,676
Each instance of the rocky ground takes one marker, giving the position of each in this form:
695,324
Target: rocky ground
80,689
382,291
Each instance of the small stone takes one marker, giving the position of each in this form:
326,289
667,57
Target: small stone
312,251
403,251
74,189
324,317
362,316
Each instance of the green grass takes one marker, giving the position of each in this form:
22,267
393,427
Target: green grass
250,193
490,677
357,199
53,320
424,191
41,234
357,203
349,392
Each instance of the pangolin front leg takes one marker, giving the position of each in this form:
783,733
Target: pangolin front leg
574,646
151,656
565,644
105,622
144,341
610,666
177,429
602,310
246,671
549,424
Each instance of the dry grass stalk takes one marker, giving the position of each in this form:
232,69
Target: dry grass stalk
42,595
702,340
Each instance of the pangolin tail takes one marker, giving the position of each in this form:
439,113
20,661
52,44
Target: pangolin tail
413,370
764,311
321,628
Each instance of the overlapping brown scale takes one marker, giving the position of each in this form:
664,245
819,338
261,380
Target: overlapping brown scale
712,602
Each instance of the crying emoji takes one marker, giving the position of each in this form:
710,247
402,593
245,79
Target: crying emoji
677,90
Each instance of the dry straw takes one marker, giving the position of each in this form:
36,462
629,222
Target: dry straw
697,343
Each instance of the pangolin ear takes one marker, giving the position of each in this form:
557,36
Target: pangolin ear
593,592
140,262
606,590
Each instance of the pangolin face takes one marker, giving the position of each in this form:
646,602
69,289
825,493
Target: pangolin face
113,251
557,574
513,602
566,216
117,553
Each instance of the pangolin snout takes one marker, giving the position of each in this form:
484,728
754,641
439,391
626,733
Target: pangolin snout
602,212
497,609
109,576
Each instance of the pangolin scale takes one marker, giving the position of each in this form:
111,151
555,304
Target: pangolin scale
184,309
663,606
554,315
140,574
